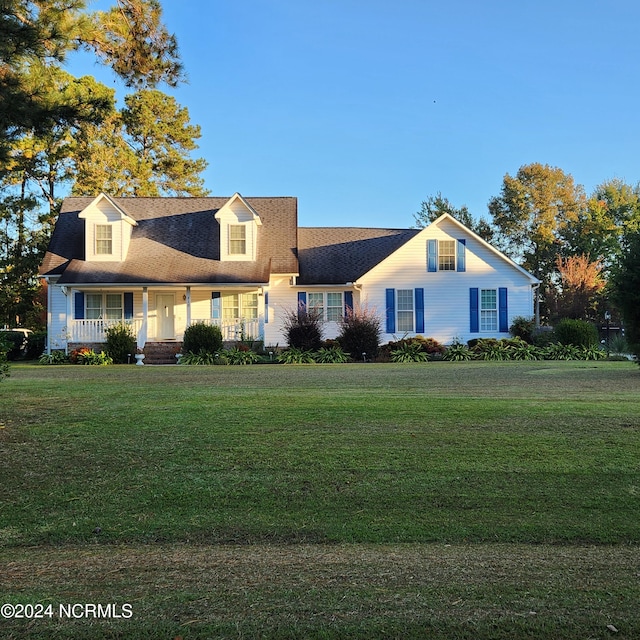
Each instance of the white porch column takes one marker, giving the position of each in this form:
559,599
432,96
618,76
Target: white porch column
69,329
142,335
188,299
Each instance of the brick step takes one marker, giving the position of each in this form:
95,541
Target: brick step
161,352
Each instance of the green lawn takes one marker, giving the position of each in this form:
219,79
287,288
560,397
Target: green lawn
442,500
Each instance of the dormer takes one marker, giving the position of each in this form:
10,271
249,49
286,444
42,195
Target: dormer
107,230
239,224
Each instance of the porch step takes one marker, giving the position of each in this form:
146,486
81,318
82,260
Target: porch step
161,352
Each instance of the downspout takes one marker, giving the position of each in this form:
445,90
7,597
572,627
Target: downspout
536,303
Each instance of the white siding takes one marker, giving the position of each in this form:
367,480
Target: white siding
446,293
57,329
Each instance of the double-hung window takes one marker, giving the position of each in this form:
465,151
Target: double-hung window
104,239
488,310
106,306
328,305
238,306
447,255
405,309
237,239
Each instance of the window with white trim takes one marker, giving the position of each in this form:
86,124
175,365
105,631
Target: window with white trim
236,306
447,255
488,310
104,239
237,239
329,305
404,309
103,306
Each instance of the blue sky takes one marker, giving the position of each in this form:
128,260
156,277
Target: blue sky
364,108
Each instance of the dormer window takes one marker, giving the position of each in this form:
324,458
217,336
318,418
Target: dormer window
239,223
237,239
104,239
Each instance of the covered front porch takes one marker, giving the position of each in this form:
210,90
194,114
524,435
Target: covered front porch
163,314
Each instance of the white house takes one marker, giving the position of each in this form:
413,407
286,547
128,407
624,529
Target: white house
162,264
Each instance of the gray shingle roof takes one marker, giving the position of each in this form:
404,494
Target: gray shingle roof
337,255
176,240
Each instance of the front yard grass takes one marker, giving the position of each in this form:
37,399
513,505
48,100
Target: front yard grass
441,500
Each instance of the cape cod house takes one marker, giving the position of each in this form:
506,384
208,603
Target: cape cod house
162,264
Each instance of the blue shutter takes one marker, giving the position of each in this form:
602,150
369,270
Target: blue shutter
266,307
419,298
462,250
474,316
391,310
302,301
78,304
348,302
215,305
503,315
432,255
128,305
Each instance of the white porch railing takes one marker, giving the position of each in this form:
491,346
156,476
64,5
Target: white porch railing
95,330
235,330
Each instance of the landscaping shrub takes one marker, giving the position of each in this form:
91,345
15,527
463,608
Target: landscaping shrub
577,332
293,355
55,357
360,333
303,328
36,344
121,343
201,358
240,356
15,344
330,355
201,337
410,351
458,352
523,328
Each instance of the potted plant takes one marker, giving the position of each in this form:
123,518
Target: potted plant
139,357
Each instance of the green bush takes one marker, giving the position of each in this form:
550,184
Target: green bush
303,328
240,356
36,344
55,357
121,343
409,352
201,358
360,333
458,352
293,355
523,328
15,344
202,337
330,355
576,332
90,357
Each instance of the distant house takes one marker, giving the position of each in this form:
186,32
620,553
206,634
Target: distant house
162,264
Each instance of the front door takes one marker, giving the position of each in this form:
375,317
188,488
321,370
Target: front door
166,325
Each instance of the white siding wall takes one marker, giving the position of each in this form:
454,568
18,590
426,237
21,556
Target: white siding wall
57,329
282,298
446,293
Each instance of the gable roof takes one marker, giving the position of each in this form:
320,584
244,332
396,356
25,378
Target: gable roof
338,255
175,240
449,218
